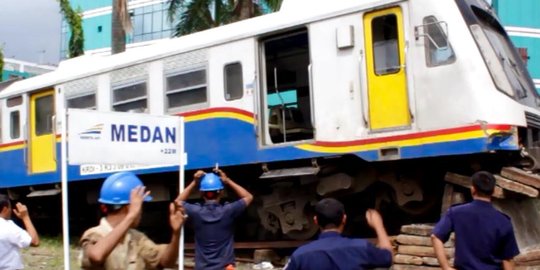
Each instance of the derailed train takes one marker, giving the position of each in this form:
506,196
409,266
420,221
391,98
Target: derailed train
372,101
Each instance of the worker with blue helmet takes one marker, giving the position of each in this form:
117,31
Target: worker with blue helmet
213,221
115,243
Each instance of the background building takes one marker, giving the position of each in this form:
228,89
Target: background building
16,69
149,19
522,22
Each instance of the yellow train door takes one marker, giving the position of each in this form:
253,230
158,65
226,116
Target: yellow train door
42,141
385,60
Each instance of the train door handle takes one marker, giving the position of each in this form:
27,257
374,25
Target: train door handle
26,145
53,123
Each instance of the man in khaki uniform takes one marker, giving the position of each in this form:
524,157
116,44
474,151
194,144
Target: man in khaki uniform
114,243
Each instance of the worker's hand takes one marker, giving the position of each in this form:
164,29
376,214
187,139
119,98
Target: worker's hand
136,200
21,211
449,268
224,178
197,177
374,219
177,216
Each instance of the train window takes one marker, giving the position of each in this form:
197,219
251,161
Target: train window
14,101
186,89
438,49
507,70
43,115
130,98
385,44
82,102
234,85
14,125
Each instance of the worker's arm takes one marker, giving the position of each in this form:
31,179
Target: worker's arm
192,186
508,264
240,191
176,220
21,211
375,221
97,253
438,245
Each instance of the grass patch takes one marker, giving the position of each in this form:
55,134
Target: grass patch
49,254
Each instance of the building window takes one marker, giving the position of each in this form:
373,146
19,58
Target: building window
186,89
43,115
385,44
150,22
15,125
438,49
130,98
82,102
234,85
99,29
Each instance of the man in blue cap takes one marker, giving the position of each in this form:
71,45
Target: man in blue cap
115,244
484,236
214,222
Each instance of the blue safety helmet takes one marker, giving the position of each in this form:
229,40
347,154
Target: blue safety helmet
116,189
211,182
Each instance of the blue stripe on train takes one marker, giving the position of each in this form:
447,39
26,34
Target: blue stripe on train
233,142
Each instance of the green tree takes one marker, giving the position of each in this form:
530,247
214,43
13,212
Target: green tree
74,20
197,15
121,24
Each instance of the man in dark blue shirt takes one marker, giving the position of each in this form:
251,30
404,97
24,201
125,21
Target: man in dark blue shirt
213,221
333,251
484,236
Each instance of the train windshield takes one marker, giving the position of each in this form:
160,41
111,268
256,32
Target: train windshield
506,68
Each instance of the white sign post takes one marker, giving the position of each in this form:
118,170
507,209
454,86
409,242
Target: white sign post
119,138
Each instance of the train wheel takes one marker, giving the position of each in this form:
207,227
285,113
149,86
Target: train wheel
309,226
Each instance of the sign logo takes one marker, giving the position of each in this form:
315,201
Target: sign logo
93,133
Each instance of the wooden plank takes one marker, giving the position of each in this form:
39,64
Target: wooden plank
415,240
528,255
516,187
430,261
465,181
458,179
458,198
521,176
530,265
447,198
422,251
407,259
417,229
413,267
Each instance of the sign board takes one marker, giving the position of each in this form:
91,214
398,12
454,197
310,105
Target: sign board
123,138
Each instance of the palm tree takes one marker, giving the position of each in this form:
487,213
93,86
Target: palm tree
1,63
121,23
198,15
74,20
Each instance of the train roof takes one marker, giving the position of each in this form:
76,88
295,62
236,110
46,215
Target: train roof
292,14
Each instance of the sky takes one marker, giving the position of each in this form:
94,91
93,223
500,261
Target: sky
30,30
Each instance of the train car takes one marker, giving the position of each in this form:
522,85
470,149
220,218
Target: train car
372,101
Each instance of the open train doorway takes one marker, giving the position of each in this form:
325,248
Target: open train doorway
286,94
